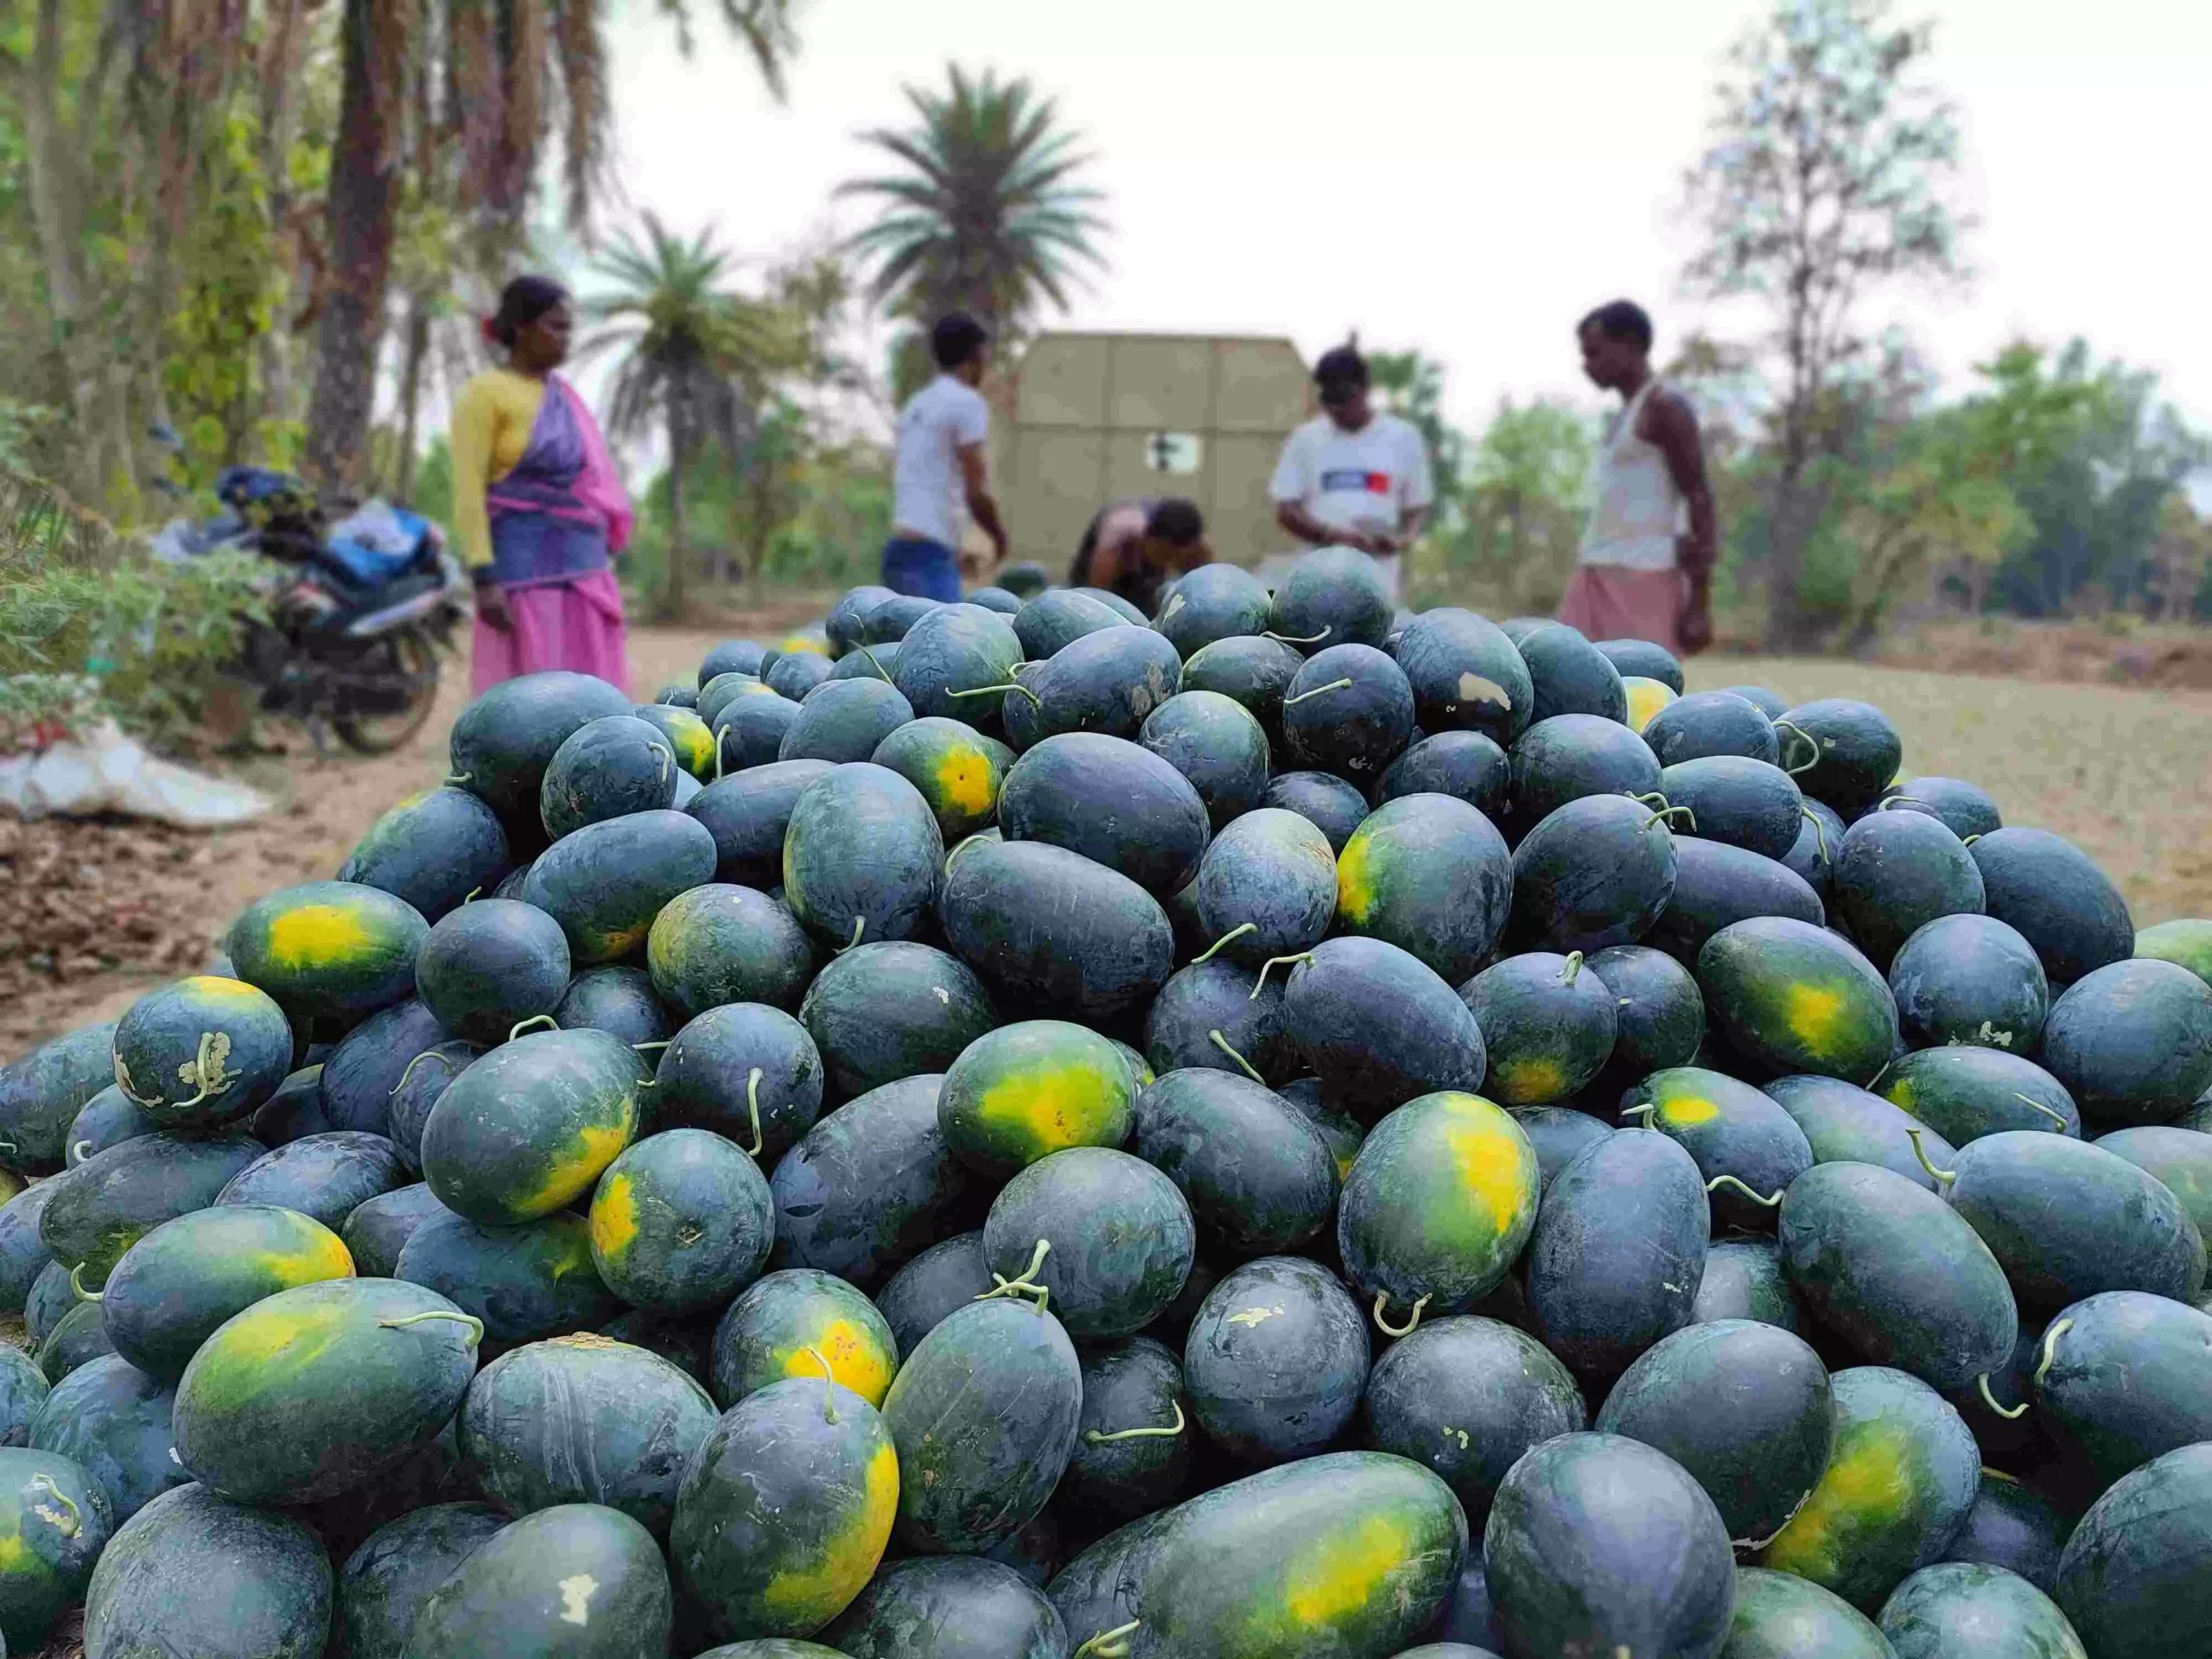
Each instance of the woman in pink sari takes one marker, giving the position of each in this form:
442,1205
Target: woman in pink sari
539,511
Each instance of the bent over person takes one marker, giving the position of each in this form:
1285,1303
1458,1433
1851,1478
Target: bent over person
1134,548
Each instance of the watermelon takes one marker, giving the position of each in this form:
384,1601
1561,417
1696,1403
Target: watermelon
2186,944
488,966
362,1071
2061,902
843,721
1216,1015
1109,682
1133,1444
951,651
1959,1606
957,770
1597,872
789,1324
1766,701
1781,1615
1965,1093
1965,807
418,1092
1716,886
293,1113
875,661
1348,710
715,944
22,1253
193,1573
1969,979
2180,1158
51,1296
526,1130
583,1420
1644,659
1732,1131
752,729
1102,1238
1598,1543
580,1580
1840,752
1897,871
2132,1042
1327,802
722,693
1267,887
2122,1373
1843,1123
860,856
1792,996
1813,855
617,1000
111,1117
385,1583
1659,1014
896,615
1568,756
1743,1280
1001,600
328,950
1429,875
1048,622
1465,765
1217,744
1329,597
79,1338
1547,1026
1023,1091
1466,1397
1618,1248
524,1282
871,1184
114,1198
1275,1360
505,740
608,768
742,656
892,1010
1646,699
1215,601
2132,1581
23,1389
944,1608
202,1052
1709,725
795,673
1248,669
1096,1591
948,1275
1746,803
434,850
1379,1027
606,883
748,814
111,1420
846,625
681,1222
2012,1527
983,1413
1258,1177
1466,675
185,1277
1557,1134
42,1092
1102,946
688,738
379,1229
748,1072
1116,804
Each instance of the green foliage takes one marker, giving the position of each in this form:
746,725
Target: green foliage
1523,505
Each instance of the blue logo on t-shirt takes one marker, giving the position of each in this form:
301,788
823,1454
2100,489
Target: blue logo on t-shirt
1354,480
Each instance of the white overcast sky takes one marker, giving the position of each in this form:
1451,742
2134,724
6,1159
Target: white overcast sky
1466,176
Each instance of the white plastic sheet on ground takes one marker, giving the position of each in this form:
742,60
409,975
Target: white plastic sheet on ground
107,771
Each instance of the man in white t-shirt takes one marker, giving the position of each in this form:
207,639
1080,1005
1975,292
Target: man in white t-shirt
938,462
1353,477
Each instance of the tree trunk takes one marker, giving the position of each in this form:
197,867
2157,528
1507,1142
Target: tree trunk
1787,534
671,602
411,398
364,202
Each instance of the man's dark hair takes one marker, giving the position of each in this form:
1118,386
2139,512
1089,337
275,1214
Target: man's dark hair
1620,320
1175,521
1341,366
956,338
522,302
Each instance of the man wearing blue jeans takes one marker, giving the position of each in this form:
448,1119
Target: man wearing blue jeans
938,462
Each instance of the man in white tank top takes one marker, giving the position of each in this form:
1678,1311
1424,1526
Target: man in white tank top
1645,571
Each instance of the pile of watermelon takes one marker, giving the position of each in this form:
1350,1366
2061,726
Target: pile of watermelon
1011,1129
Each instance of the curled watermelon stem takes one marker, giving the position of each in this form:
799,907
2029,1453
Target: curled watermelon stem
1819,835
1382,1297
859,922
1574,969
1648,1109
1222,1043
1333,685
752,1105
1989,1473
472,895
721,732
2058,1329
475,1325
1970,840
1010,685
76,1284
1810,742
458,779
79,1152
1889,801
1100,1437
521,1026
2010,1413
1301,639
1108,1644
1647,799
829,1385
445,1060
962,846
667,759
871,662
68,1526
2058,1118
1234,932
1730,1180
658,1042
1943,1177
1028,1284
1666,813
207,1069
1260,984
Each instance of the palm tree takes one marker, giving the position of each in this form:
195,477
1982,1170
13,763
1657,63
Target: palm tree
987,215
698,358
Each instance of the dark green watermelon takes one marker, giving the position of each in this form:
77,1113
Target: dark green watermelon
843,721
2061,902
51,1297
1216,743
1116,804
1249,669
952,650
582,1581
193,1573
1466,764
1378,1028
1716,886
1270,881
894,617
1102,946
1897,871
795,673
526,1130
618,1000
293,1113
1840,752
1743,1280
946,1609
2122,1374
892,1010
379,1229
1430,875
1659,1014
1844,1123
1467,1397
1003,600
790,1322
23,1389
490,965
1760,1458
1598,1543
1956,1607
1327,802
681,1222
1215,601
79,1338
433,849
717,944
360,1076
868,1185
325,1177
1570,676
1965,807
1969,979
2132,1581
505,740
1133,1442
202,1052
1568,756
1107,1237
2180,1158
2133,1041
861,856
1599,871
605,883
1731,1130
1275,1360
748,814
111,1421
1790,995
1745,802
743,656
385,1581
707,1079
526,1282
1028,1090
1557,1134
847,622
41,1093
1767,702
1642,657
1349,710
719,695
1048,622
1260,1178
1216,1015
418,1092
1096,1591
874,661
1706,725
111,1117
958,771
750,731
1963,1093
1618,1248
1547,1026
1781,1615
2187,943
1109,682
114,1198
1813,855
2012,1526
945,1277
1330,597
605,768
23,1252
1466,675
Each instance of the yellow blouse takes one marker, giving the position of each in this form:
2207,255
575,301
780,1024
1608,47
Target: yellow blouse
491,421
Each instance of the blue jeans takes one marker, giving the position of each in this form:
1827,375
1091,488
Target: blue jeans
926,569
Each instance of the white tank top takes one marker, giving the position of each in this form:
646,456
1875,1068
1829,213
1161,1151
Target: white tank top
1636,512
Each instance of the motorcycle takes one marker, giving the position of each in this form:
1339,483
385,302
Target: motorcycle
359,610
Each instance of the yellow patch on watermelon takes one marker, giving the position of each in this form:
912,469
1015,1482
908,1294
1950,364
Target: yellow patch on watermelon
962,776
1356,894
1347,1571
613,1218
1688,1111
1814,1014
813,1594
1492,1159
791,642
857,1361
266,1342
213,988
318,935
1866,1483
1048,1108
1528,1079
313,1261
1646,697
572,1171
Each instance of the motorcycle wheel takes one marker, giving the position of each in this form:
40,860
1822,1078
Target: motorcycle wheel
408,657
